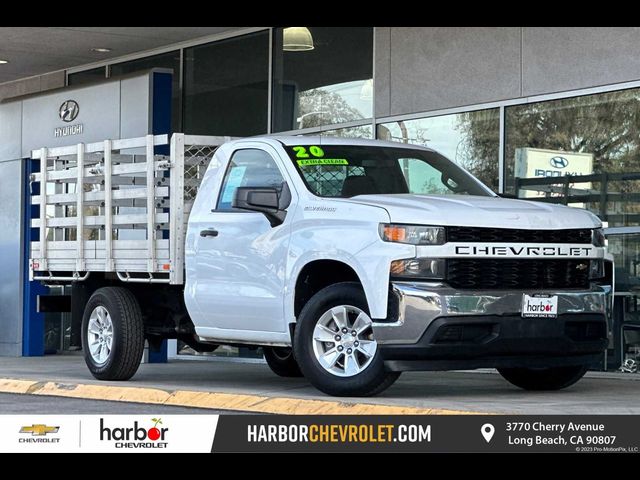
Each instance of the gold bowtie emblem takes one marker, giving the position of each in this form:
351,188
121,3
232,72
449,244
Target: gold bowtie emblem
39,429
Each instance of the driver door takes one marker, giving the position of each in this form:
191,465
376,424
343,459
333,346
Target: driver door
240,258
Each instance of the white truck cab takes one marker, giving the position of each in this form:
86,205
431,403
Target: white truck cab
350,261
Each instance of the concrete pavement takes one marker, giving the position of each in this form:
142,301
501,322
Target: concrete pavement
14,404
252,387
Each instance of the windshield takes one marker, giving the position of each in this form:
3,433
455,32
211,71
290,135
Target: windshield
347,171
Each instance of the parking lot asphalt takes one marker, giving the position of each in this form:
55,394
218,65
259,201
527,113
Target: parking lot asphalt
252,387
16,404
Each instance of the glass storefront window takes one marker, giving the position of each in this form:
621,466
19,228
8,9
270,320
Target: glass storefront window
57,326
470,139
226,86
626,253
329,84
626,319
592,134
170,60
87,76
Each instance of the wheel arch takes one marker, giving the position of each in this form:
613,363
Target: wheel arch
315,275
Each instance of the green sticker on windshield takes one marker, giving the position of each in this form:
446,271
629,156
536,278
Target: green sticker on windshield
322,161
303,152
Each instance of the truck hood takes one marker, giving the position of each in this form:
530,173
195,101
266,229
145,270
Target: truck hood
477,211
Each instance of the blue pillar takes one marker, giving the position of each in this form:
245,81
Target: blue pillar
32,321
161,124
158,355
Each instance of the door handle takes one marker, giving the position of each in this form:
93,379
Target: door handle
210,232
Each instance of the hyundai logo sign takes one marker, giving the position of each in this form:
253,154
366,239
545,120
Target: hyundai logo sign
559,162
69,111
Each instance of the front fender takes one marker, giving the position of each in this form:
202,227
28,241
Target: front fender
371,264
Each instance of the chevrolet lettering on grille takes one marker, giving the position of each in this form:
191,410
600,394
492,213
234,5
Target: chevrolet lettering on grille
516,251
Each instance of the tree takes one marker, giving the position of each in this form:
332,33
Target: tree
480,147
318,107
606,125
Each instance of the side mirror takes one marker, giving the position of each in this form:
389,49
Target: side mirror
451,184
270,201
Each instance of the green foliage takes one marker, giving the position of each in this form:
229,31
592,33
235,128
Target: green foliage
606,125
480,148
319,107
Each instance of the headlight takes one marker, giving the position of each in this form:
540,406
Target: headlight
597,238
596,269
419,268
412,234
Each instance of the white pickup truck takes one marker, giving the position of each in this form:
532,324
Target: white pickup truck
347,261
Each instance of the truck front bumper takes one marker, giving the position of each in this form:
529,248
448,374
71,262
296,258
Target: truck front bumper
434,327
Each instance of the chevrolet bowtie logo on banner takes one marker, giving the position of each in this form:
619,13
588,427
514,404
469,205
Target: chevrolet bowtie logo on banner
39,429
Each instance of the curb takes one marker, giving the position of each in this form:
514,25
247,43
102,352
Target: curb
213,400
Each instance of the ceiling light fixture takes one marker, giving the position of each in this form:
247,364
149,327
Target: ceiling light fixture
2,62
101,50
297,39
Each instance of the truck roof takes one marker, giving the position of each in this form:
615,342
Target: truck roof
289,140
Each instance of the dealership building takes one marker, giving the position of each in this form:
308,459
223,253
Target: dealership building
525,109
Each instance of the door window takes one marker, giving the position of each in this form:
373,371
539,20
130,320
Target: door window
248,168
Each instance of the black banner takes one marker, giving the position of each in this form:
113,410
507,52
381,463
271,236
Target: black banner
438,434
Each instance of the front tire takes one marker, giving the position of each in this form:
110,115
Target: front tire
112,334
335,346
554,378
281,361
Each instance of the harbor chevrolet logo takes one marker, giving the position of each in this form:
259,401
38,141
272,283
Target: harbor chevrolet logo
38,433
69,111
559,162
135,436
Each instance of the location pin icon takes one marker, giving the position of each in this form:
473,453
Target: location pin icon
487,431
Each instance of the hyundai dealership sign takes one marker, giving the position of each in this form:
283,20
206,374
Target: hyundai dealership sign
68,112
119,108
537,162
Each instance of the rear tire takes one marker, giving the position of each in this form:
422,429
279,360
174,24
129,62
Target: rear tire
281,361
554,378
367,376
112,334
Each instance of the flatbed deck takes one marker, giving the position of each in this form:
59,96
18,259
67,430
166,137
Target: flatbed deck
136,198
